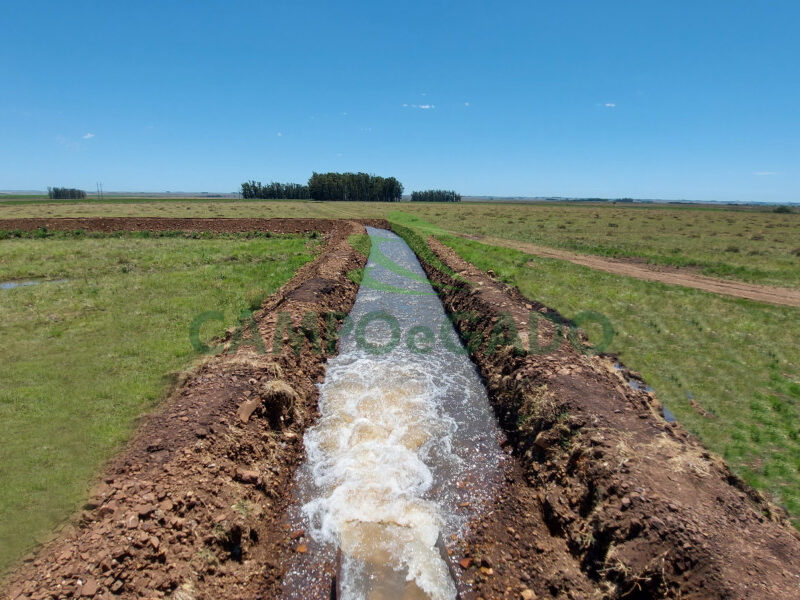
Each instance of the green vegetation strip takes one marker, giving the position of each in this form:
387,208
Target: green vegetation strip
82,358
753,245
729,369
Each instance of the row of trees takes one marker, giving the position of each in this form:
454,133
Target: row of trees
357,187
275,191
59,193
435,196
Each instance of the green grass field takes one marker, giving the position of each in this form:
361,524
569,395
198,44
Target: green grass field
82,358
753,245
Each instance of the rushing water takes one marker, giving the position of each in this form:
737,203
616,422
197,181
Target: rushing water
406,450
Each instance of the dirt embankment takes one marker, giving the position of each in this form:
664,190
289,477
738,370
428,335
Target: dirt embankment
606,499
193,507
156,224
665,274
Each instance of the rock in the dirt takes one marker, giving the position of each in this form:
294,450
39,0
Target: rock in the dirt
89,589
247,408
248,476
528,594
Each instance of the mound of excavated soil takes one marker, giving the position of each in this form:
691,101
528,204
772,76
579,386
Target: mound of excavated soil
193,507
606,499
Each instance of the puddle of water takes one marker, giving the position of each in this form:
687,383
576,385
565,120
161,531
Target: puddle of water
669,416
638,386
9,285
406,451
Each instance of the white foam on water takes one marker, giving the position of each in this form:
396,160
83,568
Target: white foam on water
368,453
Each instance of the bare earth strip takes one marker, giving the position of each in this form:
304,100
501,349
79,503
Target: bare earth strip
672,276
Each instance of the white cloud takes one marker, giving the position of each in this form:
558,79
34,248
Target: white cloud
88,136
765,173
610,105
420,106
280,134
466,103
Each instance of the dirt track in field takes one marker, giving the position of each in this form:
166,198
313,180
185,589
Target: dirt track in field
664,274
603,500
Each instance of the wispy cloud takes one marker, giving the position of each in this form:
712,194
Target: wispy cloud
420,106
466,103
280,134
610,105
88,136
766,173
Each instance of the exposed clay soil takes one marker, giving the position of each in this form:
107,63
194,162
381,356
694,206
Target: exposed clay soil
193,506
606,499
642,270
216,225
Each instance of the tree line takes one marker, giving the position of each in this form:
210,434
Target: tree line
435,196
355,187
60,193
275,191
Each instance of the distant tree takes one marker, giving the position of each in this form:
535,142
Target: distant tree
275,191
356,187
782,209
59,193
435,196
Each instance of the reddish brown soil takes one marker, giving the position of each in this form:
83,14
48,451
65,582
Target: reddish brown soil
642,270
192,508
216,225
607,499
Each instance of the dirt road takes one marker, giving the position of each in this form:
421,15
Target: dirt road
670,275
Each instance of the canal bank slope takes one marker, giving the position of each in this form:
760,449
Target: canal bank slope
606,499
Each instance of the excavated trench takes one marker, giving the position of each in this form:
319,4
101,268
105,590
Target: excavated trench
406,451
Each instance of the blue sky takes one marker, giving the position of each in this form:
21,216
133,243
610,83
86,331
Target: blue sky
676,99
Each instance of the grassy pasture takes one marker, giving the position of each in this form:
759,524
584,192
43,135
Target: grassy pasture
84,357
753,245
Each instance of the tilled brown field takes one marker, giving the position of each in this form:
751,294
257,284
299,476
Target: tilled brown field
603,497
155,224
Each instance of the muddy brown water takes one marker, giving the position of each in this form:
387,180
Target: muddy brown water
406,451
